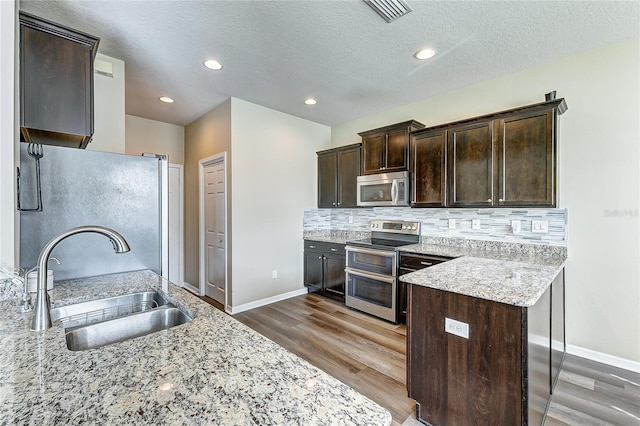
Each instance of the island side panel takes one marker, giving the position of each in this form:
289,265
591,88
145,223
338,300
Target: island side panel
454,379
426,365
538,326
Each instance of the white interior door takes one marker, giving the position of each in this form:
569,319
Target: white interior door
215,230
175,224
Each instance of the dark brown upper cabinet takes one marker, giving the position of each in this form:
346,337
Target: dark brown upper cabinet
504,159
338,170
428,154
56,83
526,158
386,149
471,163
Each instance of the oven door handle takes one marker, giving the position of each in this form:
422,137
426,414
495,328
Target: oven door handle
370,275
382,253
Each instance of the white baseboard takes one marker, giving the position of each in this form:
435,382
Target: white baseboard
191,288
625,364
262,302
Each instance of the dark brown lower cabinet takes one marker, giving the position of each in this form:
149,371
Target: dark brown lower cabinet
411,262
502,374
324,265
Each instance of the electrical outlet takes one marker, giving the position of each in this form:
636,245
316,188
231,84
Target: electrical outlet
350,219
452,224
456,327
540,226
516,226
475,224
274,273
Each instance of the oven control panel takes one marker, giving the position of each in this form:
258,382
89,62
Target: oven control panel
395,227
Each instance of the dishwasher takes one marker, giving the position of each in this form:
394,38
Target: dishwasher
411,262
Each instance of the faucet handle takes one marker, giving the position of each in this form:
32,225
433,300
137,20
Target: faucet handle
25,303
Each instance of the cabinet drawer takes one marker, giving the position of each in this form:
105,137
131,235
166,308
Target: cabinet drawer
419,261
324,247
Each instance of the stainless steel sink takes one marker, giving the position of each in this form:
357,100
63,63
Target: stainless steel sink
107,309
124,328
101,322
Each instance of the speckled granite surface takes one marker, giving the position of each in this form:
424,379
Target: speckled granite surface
213,370
11,283
516,274
513,283
335,236
512,254
513,273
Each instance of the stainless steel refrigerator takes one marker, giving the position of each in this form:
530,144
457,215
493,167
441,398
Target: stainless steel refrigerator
79,187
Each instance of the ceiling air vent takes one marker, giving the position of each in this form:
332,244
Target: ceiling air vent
389,10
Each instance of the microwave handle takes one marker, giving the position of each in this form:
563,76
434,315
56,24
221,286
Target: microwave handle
394,192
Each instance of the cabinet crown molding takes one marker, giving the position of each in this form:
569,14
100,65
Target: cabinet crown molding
559,104
404,124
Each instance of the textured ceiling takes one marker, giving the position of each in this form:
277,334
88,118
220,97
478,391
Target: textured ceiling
277,53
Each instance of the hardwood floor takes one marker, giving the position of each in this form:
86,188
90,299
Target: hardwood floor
369,355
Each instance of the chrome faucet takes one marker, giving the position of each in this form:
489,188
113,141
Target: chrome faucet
41,315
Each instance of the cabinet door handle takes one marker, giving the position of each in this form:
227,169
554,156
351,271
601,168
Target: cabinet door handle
334,204
488,200
339,203
312,246
319,257
334,249
500,200
426,263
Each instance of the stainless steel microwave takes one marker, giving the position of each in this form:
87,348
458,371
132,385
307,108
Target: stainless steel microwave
383,189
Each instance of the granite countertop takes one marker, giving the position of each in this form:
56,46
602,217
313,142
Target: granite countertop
515,277
512,273
213,370
330,239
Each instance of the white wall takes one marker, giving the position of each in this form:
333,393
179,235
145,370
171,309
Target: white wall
273,182
108,109
144,135
204,137
8,134
599,179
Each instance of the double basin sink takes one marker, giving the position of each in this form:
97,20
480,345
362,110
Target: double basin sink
101,322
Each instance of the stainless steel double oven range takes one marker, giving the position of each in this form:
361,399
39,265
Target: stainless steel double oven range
372,267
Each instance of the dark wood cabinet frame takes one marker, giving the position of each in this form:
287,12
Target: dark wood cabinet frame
386,149
324,265
56,83
338,169
504,159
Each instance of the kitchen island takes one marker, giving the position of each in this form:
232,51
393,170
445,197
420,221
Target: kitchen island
485,335
213,370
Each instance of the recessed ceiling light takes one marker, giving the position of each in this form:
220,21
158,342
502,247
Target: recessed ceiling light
212,64
425,54
166,99
310,101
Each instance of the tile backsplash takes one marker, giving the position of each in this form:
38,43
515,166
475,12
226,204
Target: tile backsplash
495,224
